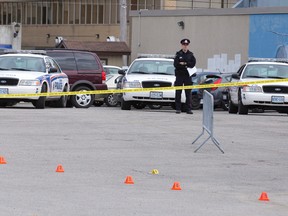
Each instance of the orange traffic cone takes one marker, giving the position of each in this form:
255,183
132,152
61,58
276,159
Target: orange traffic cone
176,186
264,197
129,180
59,168
2,160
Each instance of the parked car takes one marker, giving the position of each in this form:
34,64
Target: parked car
28,73
265,96
85,72
149,72
111,76
219,93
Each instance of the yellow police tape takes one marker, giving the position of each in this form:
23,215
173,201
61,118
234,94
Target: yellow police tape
113,91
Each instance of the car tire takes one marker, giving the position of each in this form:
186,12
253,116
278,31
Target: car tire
139,105
195,102
82,100
242,109
62,102
110,101
40,103
125,105
232,109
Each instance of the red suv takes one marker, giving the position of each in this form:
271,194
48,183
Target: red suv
85,73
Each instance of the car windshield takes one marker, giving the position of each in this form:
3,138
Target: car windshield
272,71
22,63
162,67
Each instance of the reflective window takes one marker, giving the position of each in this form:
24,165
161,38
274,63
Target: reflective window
65,60
86,61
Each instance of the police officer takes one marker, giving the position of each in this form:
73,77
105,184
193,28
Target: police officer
184,59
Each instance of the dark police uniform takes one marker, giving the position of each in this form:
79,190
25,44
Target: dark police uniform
182,76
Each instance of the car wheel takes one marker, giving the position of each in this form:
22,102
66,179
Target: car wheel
110,101
154,106
40,103
242,110
139,105
98,103
82,100
125,105
232,108
62,102
195,102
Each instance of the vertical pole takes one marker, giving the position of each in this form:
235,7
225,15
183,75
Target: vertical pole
123,26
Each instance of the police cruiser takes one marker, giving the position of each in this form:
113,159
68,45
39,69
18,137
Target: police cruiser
149,71
30,73
265,95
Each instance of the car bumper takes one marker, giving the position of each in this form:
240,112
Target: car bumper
260,99
152,96
22,90
101,87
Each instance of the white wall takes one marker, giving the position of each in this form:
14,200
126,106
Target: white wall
7,37
219,43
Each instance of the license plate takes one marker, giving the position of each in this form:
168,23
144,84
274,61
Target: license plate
277,99
3,90
156,95
224,97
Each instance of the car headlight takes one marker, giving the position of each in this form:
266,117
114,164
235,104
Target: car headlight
29,83
134,84
253,88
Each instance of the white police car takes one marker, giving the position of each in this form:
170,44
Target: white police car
149,72
26,73
265,96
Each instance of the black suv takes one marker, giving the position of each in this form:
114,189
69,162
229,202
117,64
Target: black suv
85,73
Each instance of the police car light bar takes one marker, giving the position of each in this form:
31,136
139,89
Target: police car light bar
155,56
11,51
283,60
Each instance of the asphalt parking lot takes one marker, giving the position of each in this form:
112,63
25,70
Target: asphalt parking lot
100,146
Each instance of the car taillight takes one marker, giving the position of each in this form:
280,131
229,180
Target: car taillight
103,76
218,81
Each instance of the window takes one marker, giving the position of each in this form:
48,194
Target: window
86,62
54,12
54,64
65,13
39,13
77,11
65,60
69,12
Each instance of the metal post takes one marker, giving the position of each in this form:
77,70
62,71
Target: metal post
123,26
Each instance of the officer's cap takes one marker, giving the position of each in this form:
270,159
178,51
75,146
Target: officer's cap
185,41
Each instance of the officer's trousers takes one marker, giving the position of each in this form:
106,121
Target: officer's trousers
180,81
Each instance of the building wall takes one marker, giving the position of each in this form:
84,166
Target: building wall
112,60
197,4
9,39
45,36
209,36
219,37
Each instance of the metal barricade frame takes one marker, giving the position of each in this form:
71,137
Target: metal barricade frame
207,125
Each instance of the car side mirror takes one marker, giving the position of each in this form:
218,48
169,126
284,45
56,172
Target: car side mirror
235,76
53,70
122,72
